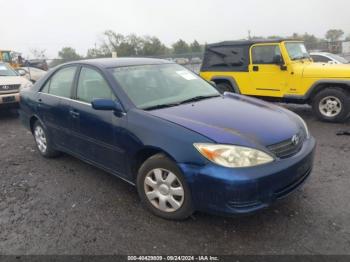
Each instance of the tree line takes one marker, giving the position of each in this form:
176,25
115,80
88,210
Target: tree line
134,45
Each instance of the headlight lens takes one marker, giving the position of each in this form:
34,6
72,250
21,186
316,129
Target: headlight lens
26,85
233,156
306,129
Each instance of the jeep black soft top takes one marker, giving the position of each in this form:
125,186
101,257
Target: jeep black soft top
230,55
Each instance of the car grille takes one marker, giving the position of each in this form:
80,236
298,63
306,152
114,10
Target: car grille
288,147
6,88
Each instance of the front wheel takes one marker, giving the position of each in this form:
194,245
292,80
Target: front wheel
332,105
163,189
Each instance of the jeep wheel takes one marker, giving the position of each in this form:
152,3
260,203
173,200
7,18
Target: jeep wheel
332,105
224,87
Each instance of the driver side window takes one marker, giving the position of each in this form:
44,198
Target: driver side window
265,54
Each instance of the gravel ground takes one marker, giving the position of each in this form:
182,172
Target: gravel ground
64,206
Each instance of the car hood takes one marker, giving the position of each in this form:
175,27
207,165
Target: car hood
234,119
325,70
12,80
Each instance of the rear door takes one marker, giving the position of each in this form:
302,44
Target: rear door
54,105
266,76
97,134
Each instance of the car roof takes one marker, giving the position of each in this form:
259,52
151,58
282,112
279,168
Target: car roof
122,62
250,42
320,53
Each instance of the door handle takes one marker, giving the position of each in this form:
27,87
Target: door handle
74,113
40,100
255,68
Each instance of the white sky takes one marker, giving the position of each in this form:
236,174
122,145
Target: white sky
51,25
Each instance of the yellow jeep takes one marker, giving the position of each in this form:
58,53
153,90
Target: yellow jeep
279,70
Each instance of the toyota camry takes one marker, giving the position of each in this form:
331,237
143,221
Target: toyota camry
162,128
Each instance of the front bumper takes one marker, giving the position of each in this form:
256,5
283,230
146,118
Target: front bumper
217,189
9,99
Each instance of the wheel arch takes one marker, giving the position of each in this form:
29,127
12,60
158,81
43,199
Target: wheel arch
32,121
227,79
142,155
323,84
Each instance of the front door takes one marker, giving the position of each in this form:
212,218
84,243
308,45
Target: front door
267,77
97,134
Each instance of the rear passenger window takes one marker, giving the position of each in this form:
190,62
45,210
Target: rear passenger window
92,85
265,54
62,81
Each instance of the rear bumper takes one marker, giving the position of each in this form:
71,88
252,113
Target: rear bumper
222,190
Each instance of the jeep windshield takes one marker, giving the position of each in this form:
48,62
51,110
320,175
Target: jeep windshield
5,70
165,85
297,51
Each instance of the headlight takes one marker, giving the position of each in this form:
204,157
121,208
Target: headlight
307,133
26,85
233,156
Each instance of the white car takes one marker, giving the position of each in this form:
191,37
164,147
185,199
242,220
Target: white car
31,73
10,83
324,57
181,61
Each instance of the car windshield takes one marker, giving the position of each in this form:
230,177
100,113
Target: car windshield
339,58
156,86
297,50
5,70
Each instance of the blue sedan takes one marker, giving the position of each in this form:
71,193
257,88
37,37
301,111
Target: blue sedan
165,130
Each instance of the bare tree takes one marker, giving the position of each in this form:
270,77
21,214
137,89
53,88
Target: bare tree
334,34
38,53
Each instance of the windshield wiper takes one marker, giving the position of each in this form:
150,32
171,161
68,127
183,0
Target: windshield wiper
301,57
161,106
197,98
193,99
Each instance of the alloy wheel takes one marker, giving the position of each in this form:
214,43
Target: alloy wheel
40,139
330,106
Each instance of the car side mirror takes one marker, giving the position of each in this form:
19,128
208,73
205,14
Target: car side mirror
21,72
107,105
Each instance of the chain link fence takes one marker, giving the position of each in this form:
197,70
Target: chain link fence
193,61
336,47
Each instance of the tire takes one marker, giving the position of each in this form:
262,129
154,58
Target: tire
224,87
331,105
167,200
43,141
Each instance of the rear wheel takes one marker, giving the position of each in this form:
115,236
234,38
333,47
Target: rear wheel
43,141
332,105
224,87
163,189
